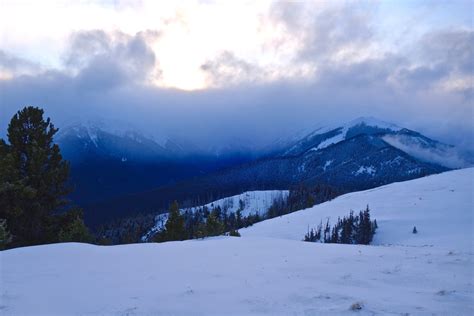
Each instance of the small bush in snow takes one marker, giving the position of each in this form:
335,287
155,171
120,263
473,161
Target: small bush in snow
357,306
234,233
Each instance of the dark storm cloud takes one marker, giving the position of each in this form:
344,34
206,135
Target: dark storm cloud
105,60
110,70
324,30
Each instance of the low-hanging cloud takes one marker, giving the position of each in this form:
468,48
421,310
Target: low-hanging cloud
330,79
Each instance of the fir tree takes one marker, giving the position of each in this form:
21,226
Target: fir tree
234,233
348,230
5,236
239,217
214,226
327,234
414,230
174,228
75,231
33,179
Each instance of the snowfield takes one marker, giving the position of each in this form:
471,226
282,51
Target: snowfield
270,271
440,206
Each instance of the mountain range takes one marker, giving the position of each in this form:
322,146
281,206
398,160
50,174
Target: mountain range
126,172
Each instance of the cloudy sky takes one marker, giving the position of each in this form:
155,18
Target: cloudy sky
220,72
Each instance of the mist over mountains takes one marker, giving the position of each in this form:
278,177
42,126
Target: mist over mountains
118,170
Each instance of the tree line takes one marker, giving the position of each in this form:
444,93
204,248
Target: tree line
352,229
301,197
204,222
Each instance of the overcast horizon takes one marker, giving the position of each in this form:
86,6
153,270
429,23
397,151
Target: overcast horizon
215,72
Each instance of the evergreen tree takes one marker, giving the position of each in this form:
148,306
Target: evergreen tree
414,230
241,205
348,230
327,234
33,178
239,217
214,226
5,236
75,231
174,228
234,233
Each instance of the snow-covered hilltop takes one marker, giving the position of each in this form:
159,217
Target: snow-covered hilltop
269,270
440,206
249,203
325,136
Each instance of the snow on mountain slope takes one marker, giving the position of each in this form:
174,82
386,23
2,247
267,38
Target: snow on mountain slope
253,202
408,141
104,139
114,127
269,271
326,136
440,206
359,122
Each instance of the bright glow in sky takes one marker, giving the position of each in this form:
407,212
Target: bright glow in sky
193,32
293,61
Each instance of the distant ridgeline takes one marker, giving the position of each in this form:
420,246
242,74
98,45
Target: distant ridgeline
359,155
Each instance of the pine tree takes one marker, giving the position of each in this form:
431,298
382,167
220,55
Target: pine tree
5,236
174,228
414,230
234,233
33,178
241,205
239,217
348,230
76,231
327,234
214,226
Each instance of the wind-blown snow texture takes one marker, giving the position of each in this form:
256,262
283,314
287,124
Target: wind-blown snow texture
269,270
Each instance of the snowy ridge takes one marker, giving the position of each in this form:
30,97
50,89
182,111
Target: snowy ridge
339,133
440,206
270,271
254,202
361,121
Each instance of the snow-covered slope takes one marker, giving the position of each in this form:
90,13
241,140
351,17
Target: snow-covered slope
440,206
326,136
410,142
252,202
269,271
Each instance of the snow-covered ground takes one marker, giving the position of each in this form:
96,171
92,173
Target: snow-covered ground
253,202
269,270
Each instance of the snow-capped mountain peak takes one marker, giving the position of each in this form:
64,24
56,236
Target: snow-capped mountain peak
109,139
325,136
373,122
